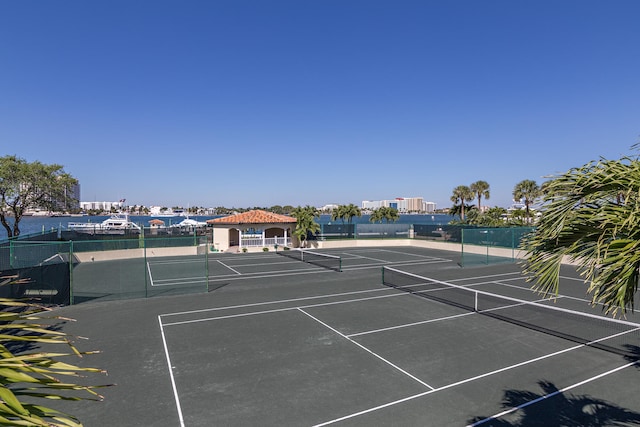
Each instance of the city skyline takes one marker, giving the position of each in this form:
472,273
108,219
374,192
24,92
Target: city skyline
284,102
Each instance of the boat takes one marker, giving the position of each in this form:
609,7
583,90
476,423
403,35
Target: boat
116,224
189,223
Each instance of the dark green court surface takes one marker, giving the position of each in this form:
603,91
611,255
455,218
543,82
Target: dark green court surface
278,342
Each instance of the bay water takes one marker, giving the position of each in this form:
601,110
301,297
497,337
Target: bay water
38,224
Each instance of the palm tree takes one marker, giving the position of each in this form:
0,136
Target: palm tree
461,194
347,212
306,223
350,211
385,213
582,221
29,376
338,213
527,190
481,189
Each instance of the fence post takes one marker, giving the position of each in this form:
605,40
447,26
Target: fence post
206,262
144,271
462,246
70,272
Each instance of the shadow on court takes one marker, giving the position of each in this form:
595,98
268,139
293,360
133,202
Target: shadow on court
552,407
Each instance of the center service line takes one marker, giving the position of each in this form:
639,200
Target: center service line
367,350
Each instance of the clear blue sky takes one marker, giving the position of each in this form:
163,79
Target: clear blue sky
258,103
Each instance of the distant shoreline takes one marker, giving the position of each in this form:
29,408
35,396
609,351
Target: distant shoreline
36,224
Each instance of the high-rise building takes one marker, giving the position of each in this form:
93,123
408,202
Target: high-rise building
404,205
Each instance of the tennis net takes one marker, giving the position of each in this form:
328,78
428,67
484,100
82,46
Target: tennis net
613,335
332,262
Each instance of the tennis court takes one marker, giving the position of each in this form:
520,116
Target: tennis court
277,341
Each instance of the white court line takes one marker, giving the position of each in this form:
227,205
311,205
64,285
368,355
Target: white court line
555,393
395,264
468,380
462,279
407,325
275,310
232,269
149,270
232,307
315,271
177,261
410,254
173,381
256,264
368,351
245,276
553,296
262,274
366,257
572,278
259,275
181,282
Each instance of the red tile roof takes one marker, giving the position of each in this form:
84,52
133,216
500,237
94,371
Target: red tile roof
253,217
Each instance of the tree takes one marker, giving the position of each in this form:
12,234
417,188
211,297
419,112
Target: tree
385,213
584,219
29,376
25,186
494,217
480,189
528,191
461,194
347,212
306,223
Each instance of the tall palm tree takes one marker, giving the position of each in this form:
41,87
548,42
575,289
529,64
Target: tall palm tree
338,213
347,212
306,223
480,189
528,191
462,194
391,215
581,219
350,211
385,213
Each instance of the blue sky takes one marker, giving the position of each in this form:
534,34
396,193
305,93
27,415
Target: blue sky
256,103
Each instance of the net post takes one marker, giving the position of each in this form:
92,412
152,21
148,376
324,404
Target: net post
382,268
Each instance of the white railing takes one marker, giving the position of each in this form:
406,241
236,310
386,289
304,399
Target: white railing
271,241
